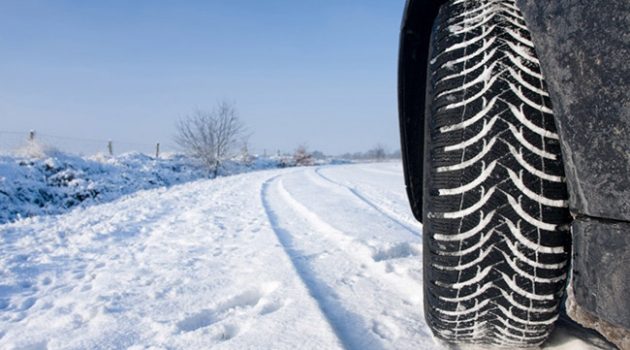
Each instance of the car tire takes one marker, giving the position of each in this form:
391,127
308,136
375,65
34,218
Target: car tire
496,219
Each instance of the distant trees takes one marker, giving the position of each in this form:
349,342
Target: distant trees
211,136
319,155
377,153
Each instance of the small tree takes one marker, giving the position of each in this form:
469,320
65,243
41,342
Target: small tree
211,136
245,156
302,157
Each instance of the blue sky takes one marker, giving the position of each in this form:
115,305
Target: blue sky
316,72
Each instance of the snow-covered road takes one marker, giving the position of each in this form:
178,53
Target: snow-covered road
303,258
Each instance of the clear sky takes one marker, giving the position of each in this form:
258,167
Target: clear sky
319,72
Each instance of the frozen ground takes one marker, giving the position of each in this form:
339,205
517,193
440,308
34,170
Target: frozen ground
301,258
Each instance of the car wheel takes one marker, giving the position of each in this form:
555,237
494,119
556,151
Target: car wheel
496,218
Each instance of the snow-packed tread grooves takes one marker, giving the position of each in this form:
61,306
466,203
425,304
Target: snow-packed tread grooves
494,223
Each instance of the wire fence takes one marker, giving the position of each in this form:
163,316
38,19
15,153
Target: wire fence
14,141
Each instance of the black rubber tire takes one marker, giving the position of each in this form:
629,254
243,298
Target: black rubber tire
496,222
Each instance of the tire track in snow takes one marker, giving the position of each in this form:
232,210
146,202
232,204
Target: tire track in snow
344,272
363,198
332,309
365,254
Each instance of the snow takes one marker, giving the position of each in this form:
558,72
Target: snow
54,183
40,180
320,257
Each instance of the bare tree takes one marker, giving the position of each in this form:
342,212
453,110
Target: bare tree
302,157
211,136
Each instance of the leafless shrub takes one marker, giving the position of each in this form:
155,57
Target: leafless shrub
211,136
302,157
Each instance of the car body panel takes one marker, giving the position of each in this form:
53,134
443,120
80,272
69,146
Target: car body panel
584,52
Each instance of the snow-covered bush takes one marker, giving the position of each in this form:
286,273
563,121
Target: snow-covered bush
51,183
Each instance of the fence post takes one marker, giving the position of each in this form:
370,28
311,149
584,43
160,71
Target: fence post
157,150
31,135
110,148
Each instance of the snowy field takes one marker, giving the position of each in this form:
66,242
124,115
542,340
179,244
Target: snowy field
302,258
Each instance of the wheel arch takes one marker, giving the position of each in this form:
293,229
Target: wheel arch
415,37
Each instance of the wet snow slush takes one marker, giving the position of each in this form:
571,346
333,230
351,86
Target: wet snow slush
302,258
